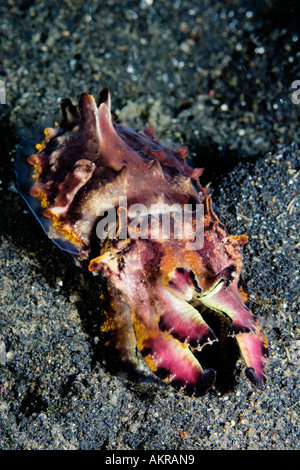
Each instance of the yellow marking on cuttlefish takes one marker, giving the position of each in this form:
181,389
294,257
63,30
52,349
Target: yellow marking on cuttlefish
70,234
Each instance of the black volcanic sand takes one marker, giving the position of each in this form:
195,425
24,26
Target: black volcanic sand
217,77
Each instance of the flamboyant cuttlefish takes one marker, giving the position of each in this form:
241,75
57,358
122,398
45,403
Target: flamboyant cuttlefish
126,206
